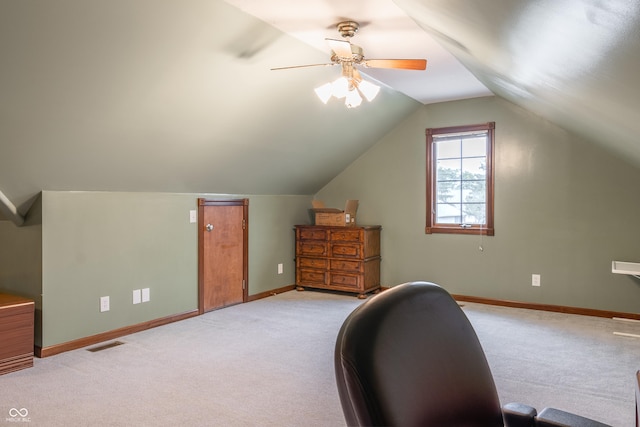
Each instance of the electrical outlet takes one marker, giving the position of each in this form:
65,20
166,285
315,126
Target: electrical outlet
137,296
535,280
104,304
146,295
280,268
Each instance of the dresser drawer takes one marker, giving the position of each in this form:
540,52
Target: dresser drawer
312,234
345,281
346,235
311,247
311,277
344,265
346,250
320,263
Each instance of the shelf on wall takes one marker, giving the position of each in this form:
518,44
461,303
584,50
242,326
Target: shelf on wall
622,267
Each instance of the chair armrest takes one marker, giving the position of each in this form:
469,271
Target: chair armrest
551,417
519,415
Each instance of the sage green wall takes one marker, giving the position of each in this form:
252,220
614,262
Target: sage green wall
108,243
21,260
564,209
272,239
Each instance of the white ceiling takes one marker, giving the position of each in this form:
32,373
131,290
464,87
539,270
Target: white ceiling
574,62
386,32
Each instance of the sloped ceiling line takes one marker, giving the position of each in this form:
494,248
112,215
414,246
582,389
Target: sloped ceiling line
8,210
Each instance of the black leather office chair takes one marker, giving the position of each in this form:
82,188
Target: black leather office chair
410,357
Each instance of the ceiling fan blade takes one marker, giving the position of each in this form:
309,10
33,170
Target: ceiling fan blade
303,66
405,64
342,48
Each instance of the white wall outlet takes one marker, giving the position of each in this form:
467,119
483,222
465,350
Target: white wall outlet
137,296
146,295
193,217
535,280
104,304
280,268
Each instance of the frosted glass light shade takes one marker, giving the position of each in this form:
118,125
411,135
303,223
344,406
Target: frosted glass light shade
324,92
340,87
369,90
351,89
353,99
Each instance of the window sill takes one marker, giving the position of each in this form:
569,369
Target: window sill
459,230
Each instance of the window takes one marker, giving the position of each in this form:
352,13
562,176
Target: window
460,179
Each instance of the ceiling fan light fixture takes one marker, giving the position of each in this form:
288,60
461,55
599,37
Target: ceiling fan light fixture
353,98
351,89
368,89
351,85
340,87
324,92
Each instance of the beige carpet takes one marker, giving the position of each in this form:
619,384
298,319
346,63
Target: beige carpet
270,363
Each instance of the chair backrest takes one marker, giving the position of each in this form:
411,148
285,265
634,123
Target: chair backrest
409,357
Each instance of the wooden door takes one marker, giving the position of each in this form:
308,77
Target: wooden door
222,247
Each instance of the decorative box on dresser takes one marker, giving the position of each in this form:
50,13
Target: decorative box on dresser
16,333
338,258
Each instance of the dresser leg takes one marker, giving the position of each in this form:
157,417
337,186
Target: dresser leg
299,288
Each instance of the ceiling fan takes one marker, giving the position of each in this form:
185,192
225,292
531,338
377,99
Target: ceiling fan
350,85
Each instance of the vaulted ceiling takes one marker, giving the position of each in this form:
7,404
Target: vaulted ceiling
146,95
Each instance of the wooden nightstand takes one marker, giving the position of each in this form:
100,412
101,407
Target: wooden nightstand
16,333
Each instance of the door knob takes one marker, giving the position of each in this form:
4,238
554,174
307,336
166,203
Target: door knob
209,227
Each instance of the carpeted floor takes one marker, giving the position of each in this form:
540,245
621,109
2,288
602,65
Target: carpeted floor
570,362
270,363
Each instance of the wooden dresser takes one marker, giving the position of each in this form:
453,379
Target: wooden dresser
338,258
16,333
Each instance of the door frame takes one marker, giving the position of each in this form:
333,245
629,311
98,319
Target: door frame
202,203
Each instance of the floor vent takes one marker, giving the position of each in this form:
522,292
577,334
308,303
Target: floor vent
105,346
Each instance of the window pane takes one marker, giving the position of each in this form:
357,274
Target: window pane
474,147
449,192
474,191
448,149
474,213
449,170
474,168
447,213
